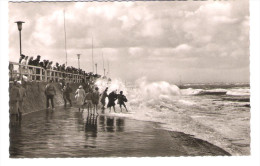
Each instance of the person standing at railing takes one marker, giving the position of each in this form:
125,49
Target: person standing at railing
11,70
30,69
36,62
49,72
21,58
45,63
44,66
20,67
24,67
56,74
50,92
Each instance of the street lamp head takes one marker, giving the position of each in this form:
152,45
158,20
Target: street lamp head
19,25
78,56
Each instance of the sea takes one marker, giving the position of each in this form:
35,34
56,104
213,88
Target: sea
218,113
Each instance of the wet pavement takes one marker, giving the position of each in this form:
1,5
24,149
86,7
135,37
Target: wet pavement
70,133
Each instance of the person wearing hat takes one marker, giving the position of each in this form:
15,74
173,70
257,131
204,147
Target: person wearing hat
80,97
95,100
21,58
121,100
50,92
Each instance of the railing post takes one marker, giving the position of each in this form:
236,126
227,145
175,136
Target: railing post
56,75
40,74
46,71
34,77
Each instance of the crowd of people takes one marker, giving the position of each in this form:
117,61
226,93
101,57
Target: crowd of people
87,96
47,64
26,70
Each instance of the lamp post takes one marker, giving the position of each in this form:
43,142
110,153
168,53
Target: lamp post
19,25
78,60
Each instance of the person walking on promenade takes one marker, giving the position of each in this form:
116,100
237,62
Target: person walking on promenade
22,95
103,98
95,100
80,97
88,101
50,92
66,94
14,101
121,100
111,100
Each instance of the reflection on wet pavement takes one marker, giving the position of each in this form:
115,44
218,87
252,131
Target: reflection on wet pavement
69,133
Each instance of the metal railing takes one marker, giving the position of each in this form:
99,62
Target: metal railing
36,73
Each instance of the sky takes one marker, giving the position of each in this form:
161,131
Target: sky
187,41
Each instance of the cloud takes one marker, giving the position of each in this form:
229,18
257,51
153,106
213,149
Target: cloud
155,39
182,47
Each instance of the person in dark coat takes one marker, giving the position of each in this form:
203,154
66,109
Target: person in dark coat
50,92
21,58
121,100
66,94
111,100
36,62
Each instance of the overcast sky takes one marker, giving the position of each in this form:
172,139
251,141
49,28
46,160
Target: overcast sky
192,41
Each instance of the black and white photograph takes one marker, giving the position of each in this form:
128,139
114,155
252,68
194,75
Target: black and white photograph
95,79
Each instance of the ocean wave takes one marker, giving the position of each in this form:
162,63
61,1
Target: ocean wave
191,91
186,110
239,92
230,92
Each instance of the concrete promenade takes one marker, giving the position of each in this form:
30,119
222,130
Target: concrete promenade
70,133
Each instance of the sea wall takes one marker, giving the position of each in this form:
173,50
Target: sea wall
36,99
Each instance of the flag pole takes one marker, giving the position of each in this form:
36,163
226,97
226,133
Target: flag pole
65,38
